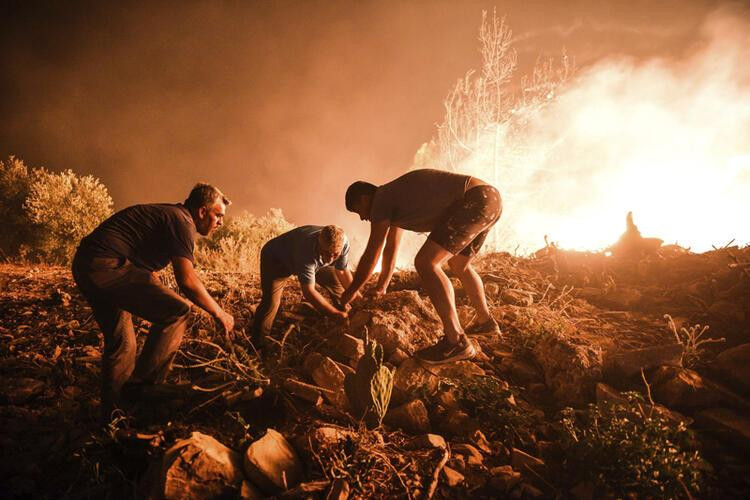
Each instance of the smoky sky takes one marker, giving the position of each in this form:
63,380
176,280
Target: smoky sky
279,103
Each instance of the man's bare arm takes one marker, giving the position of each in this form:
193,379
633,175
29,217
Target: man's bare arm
345,278
318,301
192,286
389,258
378,231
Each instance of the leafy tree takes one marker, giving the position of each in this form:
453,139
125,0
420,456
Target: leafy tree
64,207
235,246
15,182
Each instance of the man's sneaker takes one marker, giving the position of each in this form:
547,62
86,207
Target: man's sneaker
487,329
447,352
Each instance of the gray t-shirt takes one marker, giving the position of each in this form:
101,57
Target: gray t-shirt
418,199
147,235
297,252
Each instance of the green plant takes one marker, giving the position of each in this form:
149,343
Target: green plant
369,388
626,451
235,246
15,182
493,401
691,340
64,207
533,327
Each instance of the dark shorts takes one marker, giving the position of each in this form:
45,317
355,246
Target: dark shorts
468,221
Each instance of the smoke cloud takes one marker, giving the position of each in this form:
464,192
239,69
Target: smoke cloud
667,139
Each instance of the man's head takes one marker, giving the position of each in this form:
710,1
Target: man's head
207,205
330,243
359,198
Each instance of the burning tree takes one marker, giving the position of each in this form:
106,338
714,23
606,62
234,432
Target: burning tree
488,110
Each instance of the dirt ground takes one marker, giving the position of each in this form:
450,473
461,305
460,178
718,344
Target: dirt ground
573,324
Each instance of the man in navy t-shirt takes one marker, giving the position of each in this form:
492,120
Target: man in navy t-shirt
114,269
306,252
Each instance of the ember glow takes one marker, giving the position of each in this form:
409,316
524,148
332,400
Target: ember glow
667,140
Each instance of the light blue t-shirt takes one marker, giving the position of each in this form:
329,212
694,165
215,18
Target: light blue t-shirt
297,252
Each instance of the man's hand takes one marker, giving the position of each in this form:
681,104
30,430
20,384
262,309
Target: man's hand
341,316
224,321
347,297
379,292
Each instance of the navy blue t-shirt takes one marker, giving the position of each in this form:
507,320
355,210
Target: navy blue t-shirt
147,235
297,252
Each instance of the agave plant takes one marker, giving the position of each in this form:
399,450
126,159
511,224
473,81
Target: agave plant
369,388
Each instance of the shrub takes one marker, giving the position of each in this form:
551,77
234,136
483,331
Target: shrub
493,402
235,246
64,207
15,181
627,451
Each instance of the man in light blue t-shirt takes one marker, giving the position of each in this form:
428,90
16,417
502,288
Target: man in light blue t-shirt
307,252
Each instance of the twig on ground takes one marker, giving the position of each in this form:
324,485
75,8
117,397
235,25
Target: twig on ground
436,473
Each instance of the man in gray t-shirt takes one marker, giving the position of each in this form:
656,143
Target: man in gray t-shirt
458,212
114,269
309,252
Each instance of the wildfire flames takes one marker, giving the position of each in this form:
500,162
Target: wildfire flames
667,140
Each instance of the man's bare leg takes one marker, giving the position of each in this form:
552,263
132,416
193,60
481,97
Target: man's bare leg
428,263
472,283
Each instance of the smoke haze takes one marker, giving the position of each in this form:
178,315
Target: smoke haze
283,103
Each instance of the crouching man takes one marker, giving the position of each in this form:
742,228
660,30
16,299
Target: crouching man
307,252
458,212
114,269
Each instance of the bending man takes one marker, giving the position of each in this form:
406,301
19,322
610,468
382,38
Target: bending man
307,252
457,211
115,267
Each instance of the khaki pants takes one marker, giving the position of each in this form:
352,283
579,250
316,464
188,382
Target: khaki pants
115,289
272,281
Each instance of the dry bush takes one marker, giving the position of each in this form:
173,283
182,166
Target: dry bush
15,181
46,214
487,107
235,246
64,207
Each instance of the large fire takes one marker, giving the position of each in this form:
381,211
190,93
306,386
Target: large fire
668,141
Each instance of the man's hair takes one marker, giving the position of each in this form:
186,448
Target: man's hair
357,190
203,195
333,237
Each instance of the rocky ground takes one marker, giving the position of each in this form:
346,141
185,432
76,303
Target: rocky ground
545,410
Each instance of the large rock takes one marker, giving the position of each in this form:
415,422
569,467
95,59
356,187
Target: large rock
200,467
684,389
504,478
272,464
627,363
411,417
515,297
607,396
325,436
399,320
426,441
727,425
572,365
348,347
329,375
455,422
518,370
734,365
413,378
